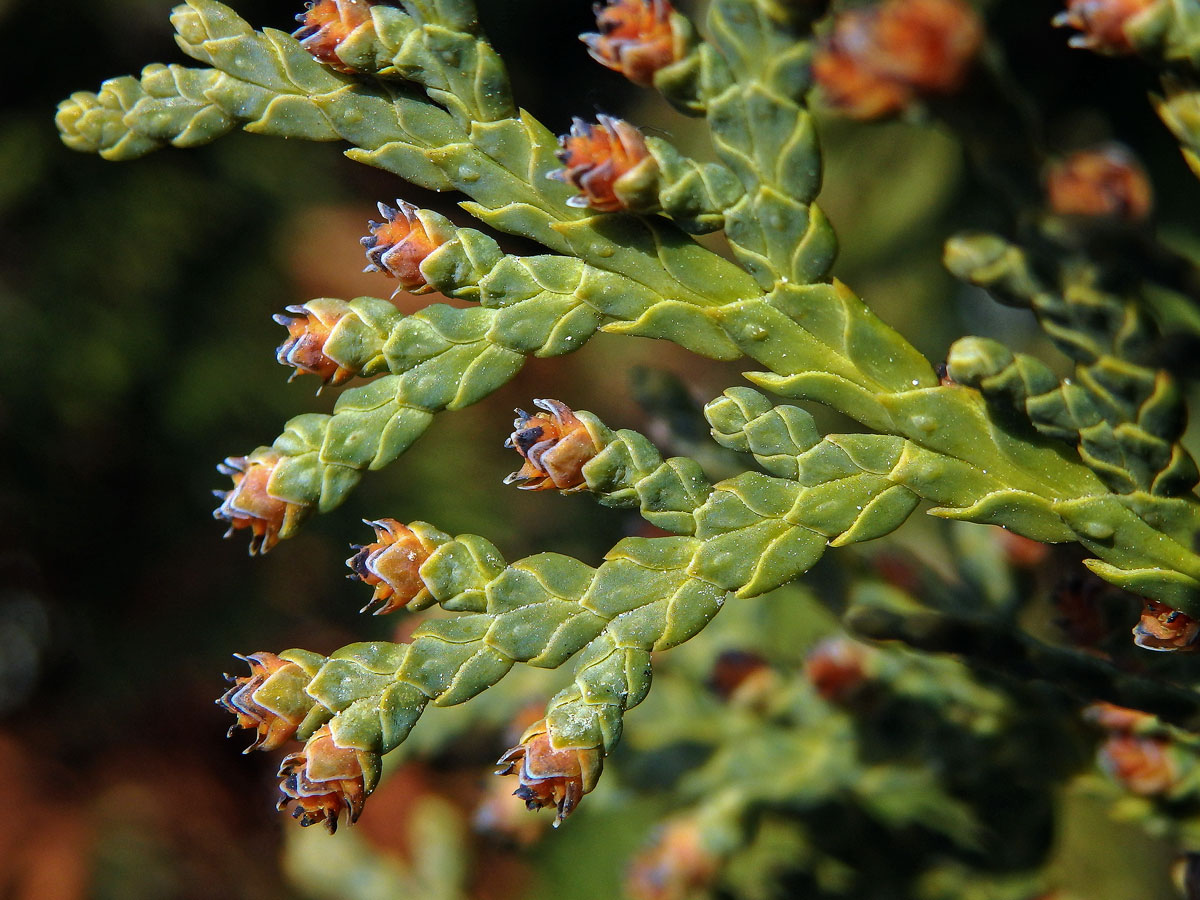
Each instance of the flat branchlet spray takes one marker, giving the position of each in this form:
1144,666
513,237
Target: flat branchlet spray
996,437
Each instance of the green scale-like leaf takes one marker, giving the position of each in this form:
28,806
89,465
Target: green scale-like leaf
694,194
630,472
823,343
130,117
1021,382
1127,417
1179,108
540,611
644,276
443,357
1008,481
777,528
503,164
273,86
1167,32
762,131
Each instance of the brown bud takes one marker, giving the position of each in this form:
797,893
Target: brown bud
927,44
850,86
555,445
501,816
551,777
1019,551
837,668
1101,23
678,864
326,24
270,699
877,60
391,564
1103,182
602,159
324,779
251,505
398,245
739,675
308,330
1118,719
898,569
635,38
1163,628
1140,764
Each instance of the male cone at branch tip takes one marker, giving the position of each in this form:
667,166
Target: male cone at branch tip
555,445
308,330
879,59
609,164
837,668
1101,23
1142,765
678,863
1135,753
326,24
324,779
551,777
251,505
1119,719
635,38
391,564
1163,628
1101,182
270,700
399,244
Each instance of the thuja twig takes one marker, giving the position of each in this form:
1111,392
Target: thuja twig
416,90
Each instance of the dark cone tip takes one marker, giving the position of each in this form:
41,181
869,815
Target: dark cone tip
358,564
526,438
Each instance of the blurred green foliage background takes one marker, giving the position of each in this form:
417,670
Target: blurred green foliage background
137,352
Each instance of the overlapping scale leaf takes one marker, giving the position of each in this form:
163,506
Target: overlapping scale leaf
500,161
459,15
609,679
130,117
1016,485
743,419
762,131
1179,108
1166,33
613,672
461,72
265,82
630,472
822,343
760,532
694,194
444,357
1020,382
539,611
1127,415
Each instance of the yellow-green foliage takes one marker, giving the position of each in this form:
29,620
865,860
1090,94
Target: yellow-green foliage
1095,459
